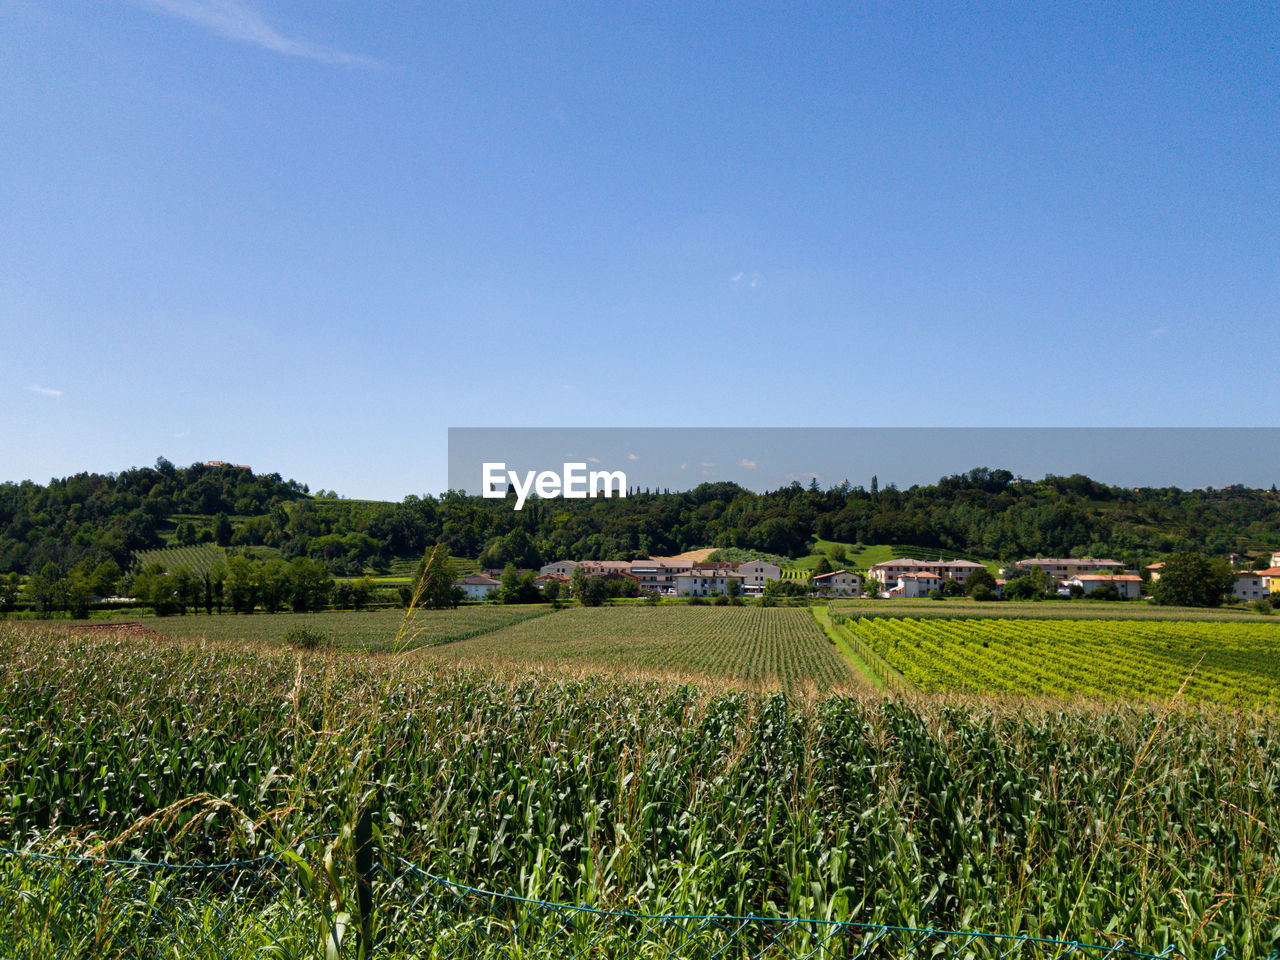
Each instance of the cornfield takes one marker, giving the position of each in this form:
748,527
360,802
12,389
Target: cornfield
635,794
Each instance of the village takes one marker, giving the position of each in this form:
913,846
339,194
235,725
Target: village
902,578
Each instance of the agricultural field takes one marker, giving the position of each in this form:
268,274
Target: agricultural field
1090,823
199,559
955,608
372,630
766,646
1223,662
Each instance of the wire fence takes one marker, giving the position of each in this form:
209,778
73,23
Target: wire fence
374,905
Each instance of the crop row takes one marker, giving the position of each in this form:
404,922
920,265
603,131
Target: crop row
1223,662
771,646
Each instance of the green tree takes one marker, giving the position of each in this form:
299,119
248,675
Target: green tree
733,587
578,583
361,592
551,590
242,584
153,586
105,579
186,589
310,584
10,588
824,566
79,590
510,590
951,587
222,530
45,589
274,587
211,582
435,577
594,591
980,578
1193,580
1105,591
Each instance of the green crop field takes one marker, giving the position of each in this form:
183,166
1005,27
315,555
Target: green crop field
1094,823
373,630
1226,662
965,608
770,646
199,560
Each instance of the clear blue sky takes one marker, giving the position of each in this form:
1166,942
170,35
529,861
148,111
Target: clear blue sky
310,236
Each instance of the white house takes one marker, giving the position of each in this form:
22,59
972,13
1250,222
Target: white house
658,575
1129,584
756,574
913,585
891,570
1063,568
704,583
477,586
1275,559
1251,585
560,568
838,583
1270,579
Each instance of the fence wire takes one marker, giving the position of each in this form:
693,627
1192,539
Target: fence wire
290,907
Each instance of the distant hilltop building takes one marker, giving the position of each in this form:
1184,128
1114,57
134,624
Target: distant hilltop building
223,463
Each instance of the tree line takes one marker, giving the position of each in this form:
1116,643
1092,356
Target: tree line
984,513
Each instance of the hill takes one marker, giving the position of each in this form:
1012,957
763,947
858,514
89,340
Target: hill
983,515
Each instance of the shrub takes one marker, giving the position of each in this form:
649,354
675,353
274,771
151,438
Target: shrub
982,593
304,638
696,602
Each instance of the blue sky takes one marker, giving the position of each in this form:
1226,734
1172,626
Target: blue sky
311,236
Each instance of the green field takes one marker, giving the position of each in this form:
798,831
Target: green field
1223,662
373,630
766,646
621,794
198,560
963,607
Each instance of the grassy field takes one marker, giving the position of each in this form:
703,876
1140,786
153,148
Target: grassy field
1133,660
373,630
769,647
629,794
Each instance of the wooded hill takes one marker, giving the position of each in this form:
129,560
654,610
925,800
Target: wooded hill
983,512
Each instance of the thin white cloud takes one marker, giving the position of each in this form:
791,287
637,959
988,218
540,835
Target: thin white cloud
236,20
736,278
44,391
746,464
593,459
705,463
184,433
632,456
684,466
1159,332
